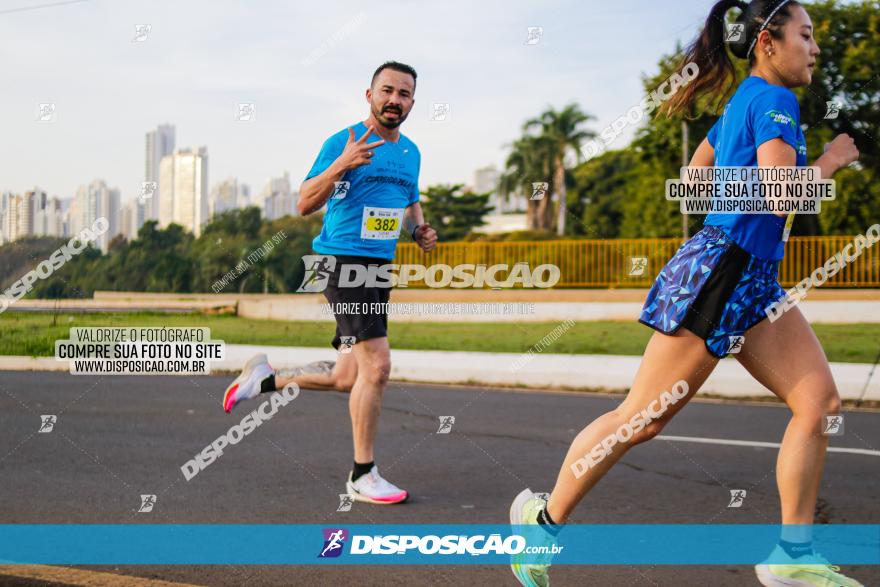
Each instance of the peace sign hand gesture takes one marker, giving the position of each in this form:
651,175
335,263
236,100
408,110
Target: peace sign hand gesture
358,152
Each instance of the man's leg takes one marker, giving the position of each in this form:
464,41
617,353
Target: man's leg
374,366
373,358
340,378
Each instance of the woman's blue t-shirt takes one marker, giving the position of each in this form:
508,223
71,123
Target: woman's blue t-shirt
756,113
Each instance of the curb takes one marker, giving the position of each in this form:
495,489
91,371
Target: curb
545,371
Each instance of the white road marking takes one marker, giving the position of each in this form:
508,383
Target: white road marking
724,441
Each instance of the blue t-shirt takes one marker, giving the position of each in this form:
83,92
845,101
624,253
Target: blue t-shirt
756,113
365,213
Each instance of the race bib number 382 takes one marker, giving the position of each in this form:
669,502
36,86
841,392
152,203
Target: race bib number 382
381,223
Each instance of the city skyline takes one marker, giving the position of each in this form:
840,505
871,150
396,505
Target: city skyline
110,83
176,189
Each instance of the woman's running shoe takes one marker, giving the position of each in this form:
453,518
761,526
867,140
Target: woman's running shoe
524,511
788,572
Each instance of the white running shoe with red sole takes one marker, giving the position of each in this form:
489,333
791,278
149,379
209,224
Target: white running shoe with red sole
372,488
247,385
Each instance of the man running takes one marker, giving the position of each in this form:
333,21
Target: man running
371,191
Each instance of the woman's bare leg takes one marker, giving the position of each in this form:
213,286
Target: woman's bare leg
667,360
786,357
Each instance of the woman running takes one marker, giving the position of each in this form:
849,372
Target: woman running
716,288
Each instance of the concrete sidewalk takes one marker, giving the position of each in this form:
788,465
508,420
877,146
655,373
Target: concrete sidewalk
840,306
546,370
312,307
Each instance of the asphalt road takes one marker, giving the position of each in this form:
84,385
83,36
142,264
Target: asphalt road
118,437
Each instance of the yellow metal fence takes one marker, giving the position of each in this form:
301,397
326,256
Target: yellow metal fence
609,263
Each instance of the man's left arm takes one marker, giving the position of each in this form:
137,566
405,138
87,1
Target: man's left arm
414,224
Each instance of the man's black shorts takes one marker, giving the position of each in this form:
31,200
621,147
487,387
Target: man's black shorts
360,311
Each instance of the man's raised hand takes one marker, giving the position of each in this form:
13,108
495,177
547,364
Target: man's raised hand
358,152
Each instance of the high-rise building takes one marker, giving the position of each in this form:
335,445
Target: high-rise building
276,199
66,203
159,143
229,194
140,212
244,195
47,215
94,201
19,216
5,197
31,214
71,217
128,220
39,200
486,180
183,189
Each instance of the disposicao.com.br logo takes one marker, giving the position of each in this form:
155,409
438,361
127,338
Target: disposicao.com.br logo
403,544
334,542
320,268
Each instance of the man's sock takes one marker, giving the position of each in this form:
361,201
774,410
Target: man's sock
268,384
796,549
547,522
361,469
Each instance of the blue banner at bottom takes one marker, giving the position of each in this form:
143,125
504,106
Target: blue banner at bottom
455,544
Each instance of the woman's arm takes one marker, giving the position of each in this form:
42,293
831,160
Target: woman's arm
840,152
704,156
777,153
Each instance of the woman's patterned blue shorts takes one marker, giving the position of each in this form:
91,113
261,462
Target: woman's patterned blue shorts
713,288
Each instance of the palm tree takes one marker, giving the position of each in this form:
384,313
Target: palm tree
529,162
562,133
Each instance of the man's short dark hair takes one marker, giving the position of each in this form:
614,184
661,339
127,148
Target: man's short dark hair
396,66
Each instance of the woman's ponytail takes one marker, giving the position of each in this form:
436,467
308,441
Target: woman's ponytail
708,52
716,75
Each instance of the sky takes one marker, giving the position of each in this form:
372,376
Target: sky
305,67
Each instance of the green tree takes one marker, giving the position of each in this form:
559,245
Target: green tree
541,155
282,268
271,251
159,260
173,260
225,242
529,162
20,256
563,135
849,36
454,213
602,185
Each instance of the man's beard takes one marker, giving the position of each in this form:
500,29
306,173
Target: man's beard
393,123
